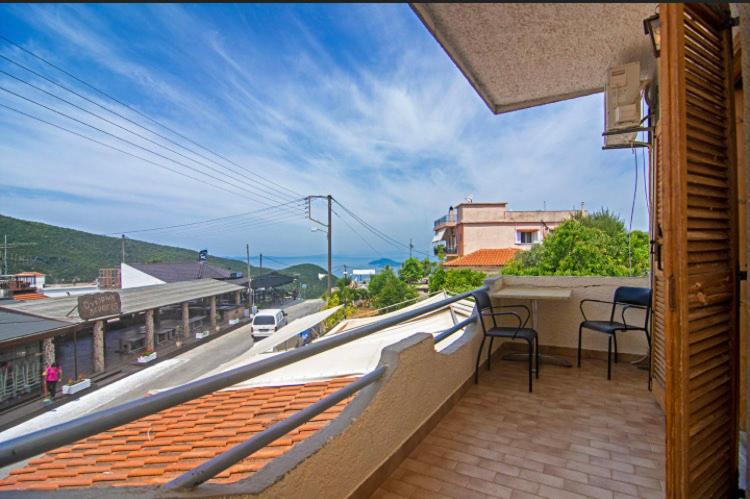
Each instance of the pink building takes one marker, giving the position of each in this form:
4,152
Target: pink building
470,227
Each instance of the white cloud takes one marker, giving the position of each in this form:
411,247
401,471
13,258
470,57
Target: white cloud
378,117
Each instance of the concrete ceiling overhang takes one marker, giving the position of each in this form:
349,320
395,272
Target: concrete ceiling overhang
523,55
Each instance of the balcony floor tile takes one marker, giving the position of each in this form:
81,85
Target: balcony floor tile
577,435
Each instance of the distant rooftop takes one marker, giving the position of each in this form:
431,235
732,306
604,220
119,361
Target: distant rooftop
490,257
134,300
184,271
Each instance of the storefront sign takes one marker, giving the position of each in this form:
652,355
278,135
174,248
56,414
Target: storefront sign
99,305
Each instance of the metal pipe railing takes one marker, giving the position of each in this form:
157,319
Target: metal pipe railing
26,446
458,326
226,459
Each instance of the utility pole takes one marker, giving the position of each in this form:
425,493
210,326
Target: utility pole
122,248
5,251
249,279
330,275
260,266
411,247
328,227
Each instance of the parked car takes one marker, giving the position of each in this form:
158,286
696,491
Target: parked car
267,321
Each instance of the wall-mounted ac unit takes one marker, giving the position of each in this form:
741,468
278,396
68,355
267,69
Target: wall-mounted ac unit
622,103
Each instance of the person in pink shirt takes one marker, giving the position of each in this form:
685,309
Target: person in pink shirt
52,375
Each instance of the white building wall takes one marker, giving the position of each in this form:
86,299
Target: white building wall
133,278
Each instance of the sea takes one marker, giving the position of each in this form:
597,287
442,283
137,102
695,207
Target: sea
338,262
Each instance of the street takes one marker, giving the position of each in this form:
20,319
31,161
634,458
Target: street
165,374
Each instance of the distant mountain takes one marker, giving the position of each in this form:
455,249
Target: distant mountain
382,262
308,274
69,255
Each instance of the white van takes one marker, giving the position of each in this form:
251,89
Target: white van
267,321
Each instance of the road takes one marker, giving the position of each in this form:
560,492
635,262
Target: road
165,374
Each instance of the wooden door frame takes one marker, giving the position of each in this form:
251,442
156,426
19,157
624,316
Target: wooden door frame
673,117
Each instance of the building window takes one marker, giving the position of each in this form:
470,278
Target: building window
527,236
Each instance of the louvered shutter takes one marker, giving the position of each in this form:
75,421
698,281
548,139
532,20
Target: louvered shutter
659,263
700,294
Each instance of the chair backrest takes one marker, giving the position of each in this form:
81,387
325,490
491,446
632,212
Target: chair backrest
633,296
483,303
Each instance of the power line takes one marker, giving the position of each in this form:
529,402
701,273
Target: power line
357,233
73,132
141,136
253,212
101,92
377,232
129,142
248,224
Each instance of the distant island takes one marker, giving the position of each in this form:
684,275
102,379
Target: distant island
382,262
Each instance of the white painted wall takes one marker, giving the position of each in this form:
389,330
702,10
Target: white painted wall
132,277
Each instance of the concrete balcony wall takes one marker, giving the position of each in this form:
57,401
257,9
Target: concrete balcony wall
558,320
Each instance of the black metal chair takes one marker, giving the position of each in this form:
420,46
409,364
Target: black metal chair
627,298
519,332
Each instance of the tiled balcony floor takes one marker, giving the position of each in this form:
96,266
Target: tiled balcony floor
577,435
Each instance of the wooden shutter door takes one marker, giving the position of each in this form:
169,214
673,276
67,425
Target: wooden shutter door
659,270
700,296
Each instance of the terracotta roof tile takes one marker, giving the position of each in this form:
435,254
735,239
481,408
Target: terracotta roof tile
490,257
158,448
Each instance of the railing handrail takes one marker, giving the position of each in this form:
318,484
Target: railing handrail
456,327
32,444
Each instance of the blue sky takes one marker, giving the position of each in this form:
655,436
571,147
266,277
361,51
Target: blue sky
354,100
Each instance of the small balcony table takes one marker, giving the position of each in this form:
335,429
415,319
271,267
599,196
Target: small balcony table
534,294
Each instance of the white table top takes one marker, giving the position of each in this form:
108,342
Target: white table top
533,293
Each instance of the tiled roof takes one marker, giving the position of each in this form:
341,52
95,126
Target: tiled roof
158,448
493,257
30,274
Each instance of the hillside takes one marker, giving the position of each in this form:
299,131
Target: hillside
308,274
68,255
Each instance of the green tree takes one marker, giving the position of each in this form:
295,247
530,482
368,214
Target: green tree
437,279
586,246
411,271
455,280
387,289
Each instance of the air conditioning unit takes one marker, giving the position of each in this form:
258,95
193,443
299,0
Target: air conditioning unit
622,103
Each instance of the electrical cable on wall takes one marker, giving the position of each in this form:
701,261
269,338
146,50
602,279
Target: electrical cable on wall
632,212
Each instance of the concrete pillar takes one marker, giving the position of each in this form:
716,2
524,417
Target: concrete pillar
48,352
98,346
185,320
212,314
150,343
238,298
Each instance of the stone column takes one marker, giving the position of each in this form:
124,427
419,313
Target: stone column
150,343
48,352
186,320
98,346
238,298
212,314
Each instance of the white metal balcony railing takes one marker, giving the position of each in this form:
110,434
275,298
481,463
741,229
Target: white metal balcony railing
445,219
32,444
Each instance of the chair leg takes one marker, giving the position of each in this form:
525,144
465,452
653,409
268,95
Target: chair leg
580,330
609,357
531,360
536,341
614,339
479,358
489,353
